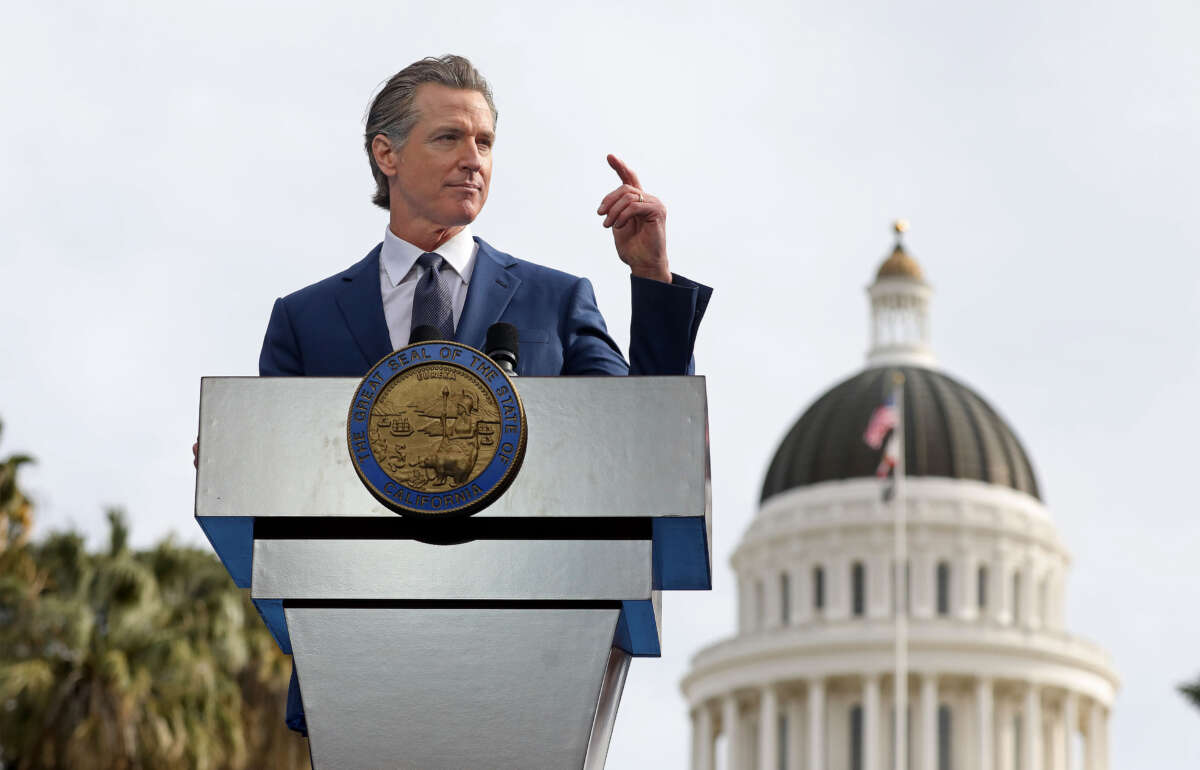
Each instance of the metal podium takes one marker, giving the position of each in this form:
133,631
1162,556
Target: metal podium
499,640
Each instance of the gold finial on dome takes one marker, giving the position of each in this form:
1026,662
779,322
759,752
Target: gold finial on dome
900,264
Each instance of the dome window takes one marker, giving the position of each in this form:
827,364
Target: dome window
858,580
943,588
1016,599
902,599
818,589
759,604
981,588
785,599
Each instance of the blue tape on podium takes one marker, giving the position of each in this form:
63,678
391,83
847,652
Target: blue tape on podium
232,537
681,554
637,631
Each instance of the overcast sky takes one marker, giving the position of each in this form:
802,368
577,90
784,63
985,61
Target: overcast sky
168,169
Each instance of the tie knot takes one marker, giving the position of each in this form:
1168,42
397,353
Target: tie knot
430,261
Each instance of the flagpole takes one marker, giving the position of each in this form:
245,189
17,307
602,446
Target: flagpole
900,585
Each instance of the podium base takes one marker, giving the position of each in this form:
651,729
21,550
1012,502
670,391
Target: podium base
457,686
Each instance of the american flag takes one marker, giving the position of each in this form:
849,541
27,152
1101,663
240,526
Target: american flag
891,454
883,420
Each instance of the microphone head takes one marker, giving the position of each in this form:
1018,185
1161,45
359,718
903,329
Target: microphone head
424,333
502,337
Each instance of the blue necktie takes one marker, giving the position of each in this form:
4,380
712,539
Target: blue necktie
431,303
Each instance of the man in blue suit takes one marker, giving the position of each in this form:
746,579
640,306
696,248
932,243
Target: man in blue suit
429,138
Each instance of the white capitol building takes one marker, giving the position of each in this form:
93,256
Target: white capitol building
994,679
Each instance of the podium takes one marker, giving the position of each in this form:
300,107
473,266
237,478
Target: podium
499,640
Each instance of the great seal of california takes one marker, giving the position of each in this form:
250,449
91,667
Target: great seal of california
436,429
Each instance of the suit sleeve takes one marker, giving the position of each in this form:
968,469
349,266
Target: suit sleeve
587,348
280,356
663,325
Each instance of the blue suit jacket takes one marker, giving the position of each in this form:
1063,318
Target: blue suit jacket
336,328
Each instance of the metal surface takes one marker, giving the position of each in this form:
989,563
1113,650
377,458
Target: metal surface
504,642
598,446
606,709
450,688
481,569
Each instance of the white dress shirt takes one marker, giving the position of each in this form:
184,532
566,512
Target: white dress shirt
399,273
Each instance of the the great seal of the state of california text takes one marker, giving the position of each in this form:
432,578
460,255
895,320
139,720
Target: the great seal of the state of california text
436,429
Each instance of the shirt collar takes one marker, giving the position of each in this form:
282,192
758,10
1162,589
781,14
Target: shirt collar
398,256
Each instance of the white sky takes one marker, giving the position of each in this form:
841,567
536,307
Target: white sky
167,170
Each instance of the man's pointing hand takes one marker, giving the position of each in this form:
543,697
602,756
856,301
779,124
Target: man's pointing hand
639,225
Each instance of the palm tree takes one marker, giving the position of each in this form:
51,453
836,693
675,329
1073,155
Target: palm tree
16,512
130,659
1191,691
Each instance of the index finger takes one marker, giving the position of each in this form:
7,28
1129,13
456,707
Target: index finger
623,171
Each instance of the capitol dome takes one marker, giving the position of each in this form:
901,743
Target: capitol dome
950,432
915,622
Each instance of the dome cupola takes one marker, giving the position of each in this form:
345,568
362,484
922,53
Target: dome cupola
900,309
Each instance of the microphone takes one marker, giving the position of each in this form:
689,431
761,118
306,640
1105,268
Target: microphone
424,333
502,347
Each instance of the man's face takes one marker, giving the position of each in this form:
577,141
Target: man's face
444,167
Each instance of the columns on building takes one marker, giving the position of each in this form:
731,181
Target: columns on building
772,599
878,584
837,588
1095,753
1054,613
871,726
702,739
986,720
998,608
729,726
1091,738
795,733
802,593
1006,756
923,588
928,722
1029,603
745,604
1056,740
1103,739
816,724
1071,728
768,729
1031,730
965,594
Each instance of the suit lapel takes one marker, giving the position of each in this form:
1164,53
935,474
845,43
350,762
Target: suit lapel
493,283
361,302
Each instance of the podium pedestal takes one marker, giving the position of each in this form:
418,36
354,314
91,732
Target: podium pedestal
498,640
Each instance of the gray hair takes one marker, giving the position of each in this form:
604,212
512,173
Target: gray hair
393,112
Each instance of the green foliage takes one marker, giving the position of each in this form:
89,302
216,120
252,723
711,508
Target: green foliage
131,659
16,512
1191,691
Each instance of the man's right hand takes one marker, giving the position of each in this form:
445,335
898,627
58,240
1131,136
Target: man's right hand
196,454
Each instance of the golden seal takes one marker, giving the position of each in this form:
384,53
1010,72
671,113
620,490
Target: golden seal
436,429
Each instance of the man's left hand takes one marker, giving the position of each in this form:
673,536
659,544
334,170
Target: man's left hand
639,225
